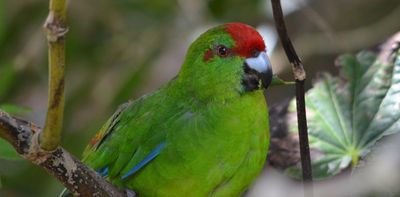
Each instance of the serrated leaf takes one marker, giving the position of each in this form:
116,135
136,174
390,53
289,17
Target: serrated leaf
7,151
347,115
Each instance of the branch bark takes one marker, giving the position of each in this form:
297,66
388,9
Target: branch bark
55,28
73,174
300,76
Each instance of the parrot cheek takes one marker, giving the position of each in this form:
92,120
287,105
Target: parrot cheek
257,69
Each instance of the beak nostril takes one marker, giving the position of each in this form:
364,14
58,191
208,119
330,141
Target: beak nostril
255,53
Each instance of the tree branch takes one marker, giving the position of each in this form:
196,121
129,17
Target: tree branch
74,175
300,76
56,29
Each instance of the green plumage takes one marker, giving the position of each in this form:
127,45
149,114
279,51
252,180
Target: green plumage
215,133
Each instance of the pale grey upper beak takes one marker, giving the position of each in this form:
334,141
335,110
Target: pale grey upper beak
262,66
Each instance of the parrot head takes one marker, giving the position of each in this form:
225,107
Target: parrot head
227,59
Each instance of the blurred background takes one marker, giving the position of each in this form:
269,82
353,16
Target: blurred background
120,50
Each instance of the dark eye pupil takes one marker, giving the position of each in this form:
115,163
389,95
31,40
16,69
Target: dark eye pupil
222,51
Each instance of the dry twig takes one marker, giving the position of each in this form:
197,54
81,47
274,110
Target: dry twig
300,76
73,174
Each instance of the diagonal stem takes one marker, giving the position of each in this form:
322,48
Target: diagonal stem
73,174
300,76
56,29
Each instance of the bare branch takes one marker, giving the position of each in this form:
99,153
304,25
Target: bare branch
73,174
56,29
300,76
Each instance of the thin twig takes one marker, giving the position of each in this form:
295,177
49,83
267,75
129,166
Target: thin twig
300,76
73,174
55,27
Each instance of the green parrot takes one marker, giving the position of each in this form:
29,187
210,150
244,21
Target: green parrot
204,133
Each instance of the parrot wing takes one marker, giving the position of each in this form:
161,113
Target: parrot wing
105,130
130,139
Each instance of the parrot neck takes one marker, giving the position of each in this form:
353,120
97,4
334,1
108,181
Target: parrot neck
205,93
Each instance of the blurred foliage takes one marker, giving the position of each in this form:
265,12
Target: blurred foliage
227,10
119,50
347,115
7,151
2,21
7,77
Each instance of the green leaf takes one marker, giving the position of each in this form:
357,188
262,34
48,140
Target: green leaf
7,151
347,115
15,110
276,81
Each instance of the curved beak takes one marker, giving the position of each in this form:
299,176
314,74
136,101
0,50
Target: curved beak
257,68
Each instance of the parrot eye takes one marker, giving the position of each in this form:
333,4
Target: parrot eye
222,51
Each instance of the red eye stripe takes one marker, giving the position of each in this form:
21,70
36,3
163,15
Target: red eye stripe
219,50
208,55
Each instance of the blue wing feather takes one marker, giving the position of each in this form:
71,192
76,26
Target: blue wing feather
153,154
103,171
